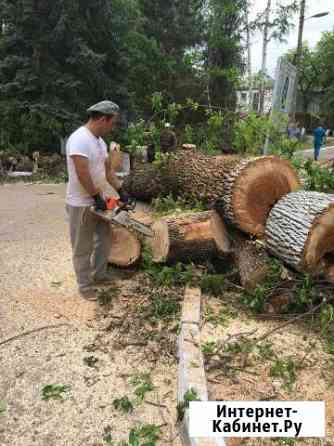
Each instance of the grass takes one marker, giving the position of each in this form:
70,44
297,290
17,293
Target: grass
123,404
190,395
143,384
54,392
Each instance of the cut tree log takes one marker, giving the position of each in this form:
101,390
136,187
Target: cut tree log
252,262
244,190
189,237
187,173
125,248
300,231
252,187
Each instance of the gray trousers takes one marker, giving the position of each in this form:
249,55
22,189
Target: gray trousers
90,239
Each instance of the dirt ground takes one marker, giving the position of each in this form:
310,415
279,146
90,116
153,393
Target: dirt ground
291,364
38,290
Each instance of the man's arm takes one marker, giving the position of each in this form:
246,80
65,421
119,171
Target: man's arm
81,165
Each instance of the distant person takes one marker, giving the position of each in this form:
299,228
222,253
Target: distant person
318,135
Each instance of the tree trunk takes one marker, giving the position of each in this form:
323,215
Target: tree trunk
187,237
125,248
252,187
252,262
264,54
300,231
244,190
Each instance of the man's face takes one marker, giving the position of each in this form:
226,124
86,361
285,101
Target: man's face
108,124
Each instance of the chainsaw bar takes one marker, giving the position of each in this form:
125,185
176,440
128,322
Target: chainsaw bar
123,219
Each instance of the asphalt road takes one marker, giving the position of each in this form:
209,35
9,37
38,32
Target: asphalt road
326,153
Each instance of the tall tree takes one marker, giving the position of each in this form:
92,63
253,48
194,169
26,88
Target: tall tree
58,57
225,25
309,73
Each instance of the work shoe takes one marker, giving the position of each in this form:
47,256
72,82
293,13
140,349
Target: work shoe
88,294
105,279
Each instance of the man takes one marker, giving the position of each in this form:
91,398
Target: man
89,174
168,141
318,134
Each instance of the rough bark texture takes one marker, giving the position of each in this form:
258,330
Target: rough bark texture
252,187
186,237
252,261
244,190
186,173
300,231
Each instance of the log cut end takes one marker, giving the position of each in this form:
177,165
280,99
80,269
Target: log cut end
319,249
220,233
160,241
189,237
125,247
260,184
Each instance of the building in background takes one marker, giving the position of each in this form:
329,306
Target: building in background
248,99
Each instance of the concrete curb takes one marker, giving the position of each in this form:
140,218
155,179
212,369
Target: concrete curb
191,374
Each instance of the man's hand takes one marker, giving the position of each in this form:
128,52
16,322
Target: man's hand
100,204
123,196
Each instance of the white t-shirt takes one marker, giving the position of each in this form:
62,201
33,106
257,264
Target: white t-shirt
82,142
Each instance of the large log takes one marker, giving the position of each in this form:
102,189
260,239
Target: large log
125,248
252,187
244,190
187,237
187,173
300,231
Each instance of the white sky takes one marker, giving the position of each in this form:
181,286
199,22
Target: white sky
312,32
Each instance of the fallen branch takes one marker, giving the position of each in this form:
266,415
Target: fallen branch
36,330
291,321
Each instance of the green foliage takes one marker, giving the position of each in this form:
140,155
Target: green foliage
285,369
143,384
54,392
190,395
161,307
256,298
144,435
209,348
265,350
169,205
3,407
318,178
123,404
212,284
167,276
305,294
222,317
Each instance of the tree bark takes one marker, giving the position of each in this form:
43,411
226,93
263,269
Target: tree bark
252,262
300,231
189,237
243,190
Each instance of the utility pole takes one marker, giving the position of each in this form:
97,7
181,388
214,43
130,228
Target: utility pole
264,54
249,68
299,50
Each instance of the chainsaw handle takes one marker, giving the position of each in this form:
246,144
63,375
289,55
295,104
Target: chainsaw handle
129,206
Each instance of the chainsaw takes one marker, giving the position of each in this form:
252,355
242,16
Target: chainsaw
118,213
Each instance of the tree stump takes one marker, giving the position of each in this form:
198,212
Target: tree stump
187,237
300,231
